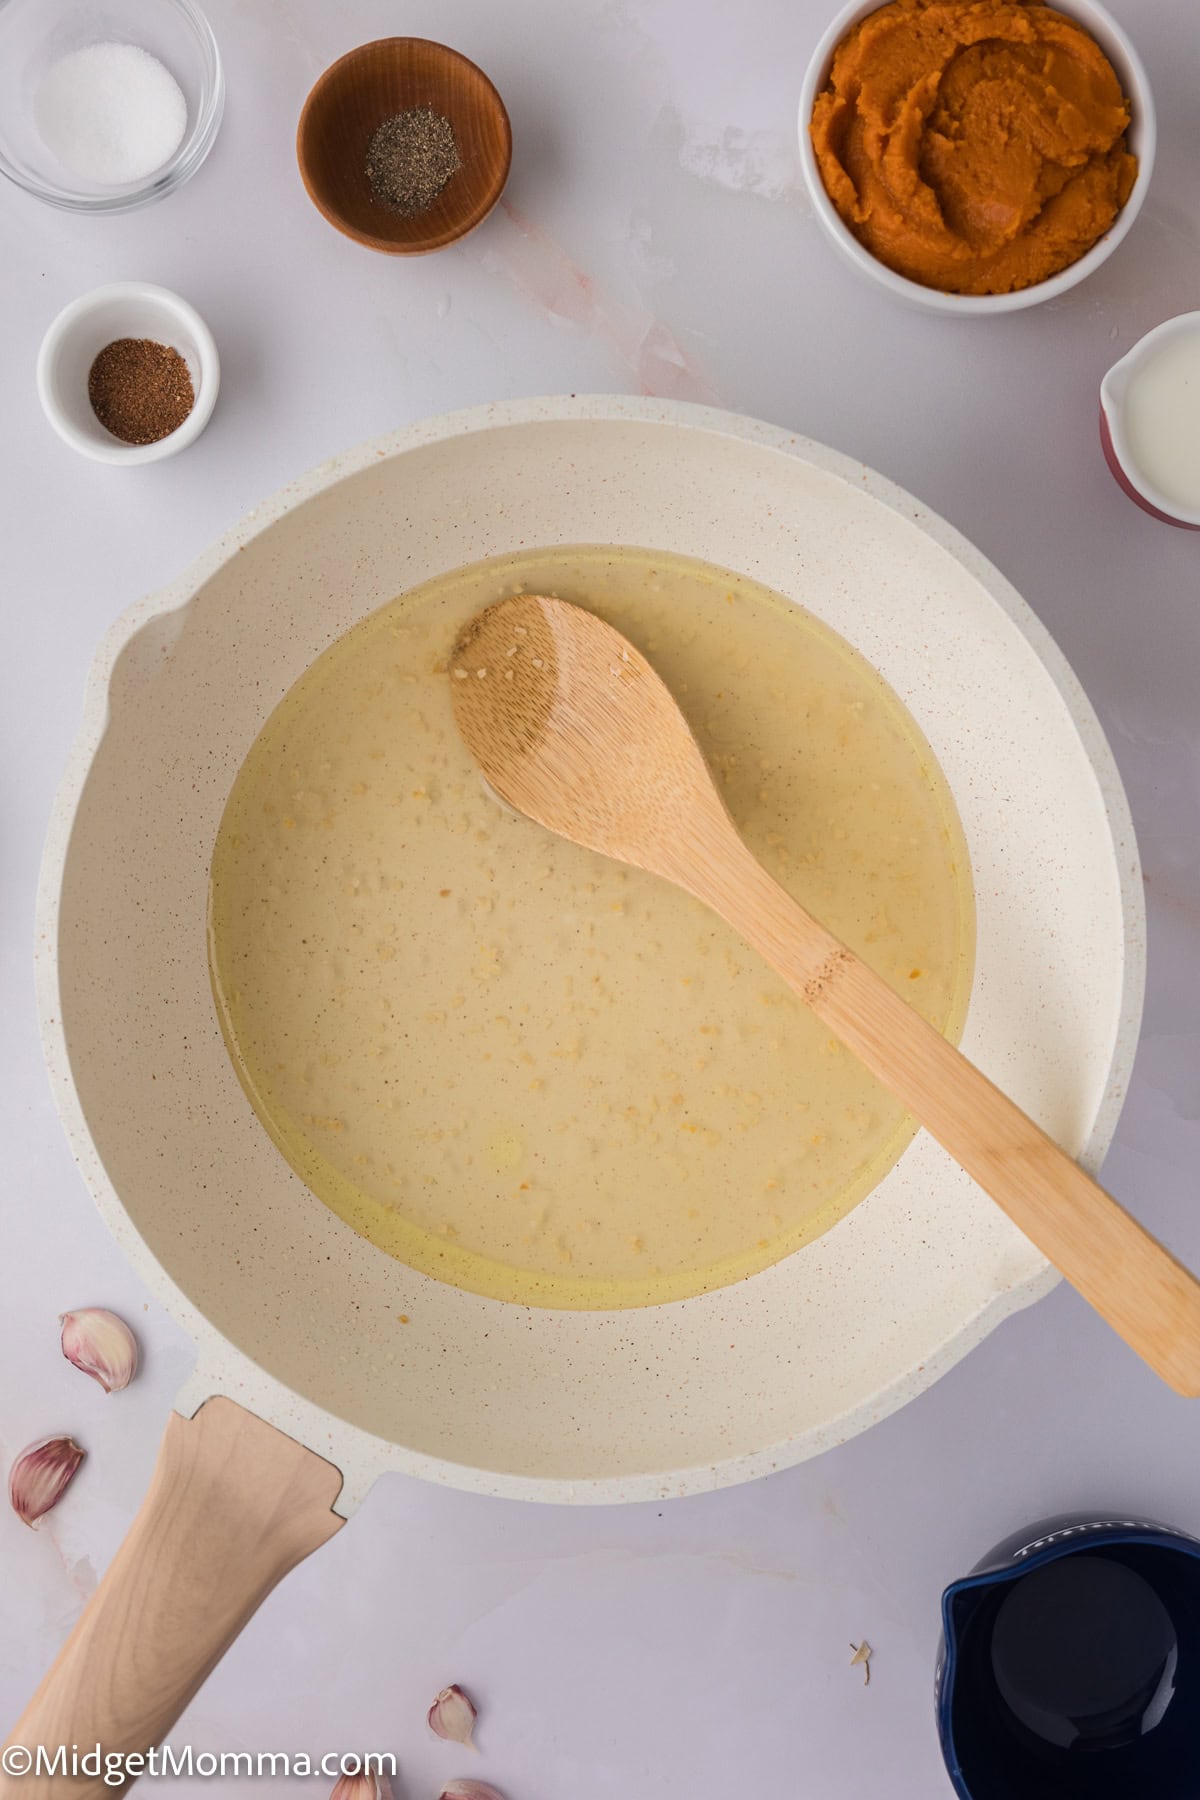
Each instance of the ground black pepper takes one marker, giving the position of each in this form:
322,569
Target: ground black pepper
410,159
140,391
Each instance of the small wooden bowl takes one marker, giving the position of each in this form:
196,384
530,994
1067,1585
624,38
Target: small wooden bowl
353,98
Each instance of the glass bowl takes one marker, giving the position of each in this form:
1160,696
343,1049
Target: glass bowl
35,34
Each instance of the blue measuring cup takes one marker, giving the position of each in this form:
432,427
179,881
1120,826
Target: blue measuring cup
1070,1666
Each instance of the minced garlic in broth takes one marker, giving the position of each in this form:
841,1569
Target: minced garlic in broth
530,1071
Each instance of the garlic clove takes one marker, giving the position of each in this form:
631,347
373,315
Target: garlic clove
470,1790
100,1344
362,1786
452,1716
39,1477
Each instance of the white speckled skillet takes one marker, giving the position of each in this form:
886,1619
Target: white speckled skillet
295,1317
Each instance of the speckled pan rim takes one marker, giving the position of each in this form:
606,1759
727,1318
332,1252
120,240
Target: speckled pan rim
221,1366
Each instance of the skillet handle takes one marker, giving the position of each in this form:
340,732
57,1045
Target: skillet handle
233,1505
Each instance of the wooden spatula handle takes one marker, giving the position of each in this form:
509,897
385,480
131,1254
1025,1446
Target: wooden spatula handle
1118,1267
232,1506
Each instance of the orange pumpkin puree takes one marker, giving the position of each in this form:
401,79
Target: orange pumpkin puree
976,146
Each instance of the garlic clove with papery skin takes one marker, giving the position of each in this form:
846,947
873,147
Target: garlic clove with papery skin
100,1344
452,1716
362,1786
40,1476
470,1790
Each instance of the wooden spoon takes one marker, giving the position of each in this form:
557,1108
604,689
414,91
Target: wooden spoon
570,725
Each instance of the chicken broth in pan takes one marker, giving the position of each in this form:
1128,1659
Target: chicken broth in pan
530,1071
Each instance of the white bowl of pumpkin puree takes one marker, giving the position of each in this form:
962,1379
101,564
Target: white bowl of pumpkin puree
976,156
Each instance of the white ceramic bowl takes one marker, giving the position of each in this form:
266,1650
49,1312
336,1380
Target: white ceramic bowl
125,309
294,1314
1142,140
35,34
1114,435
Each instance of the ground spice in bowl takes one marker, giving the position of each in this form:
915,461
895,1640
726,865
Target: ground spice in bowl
140,391
410,158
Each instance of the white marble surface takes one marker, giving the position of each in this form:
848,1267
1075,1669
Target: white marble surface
653,239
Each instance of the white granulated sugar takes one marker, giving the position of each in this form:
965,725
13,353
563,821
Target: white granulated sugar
111,113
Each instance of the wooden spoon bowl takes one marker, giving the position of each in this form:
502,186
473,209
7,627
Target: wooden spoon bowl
353,98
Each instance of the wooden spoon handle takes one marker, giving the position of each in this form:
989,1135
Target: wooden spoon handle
1118,1267
232,1506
